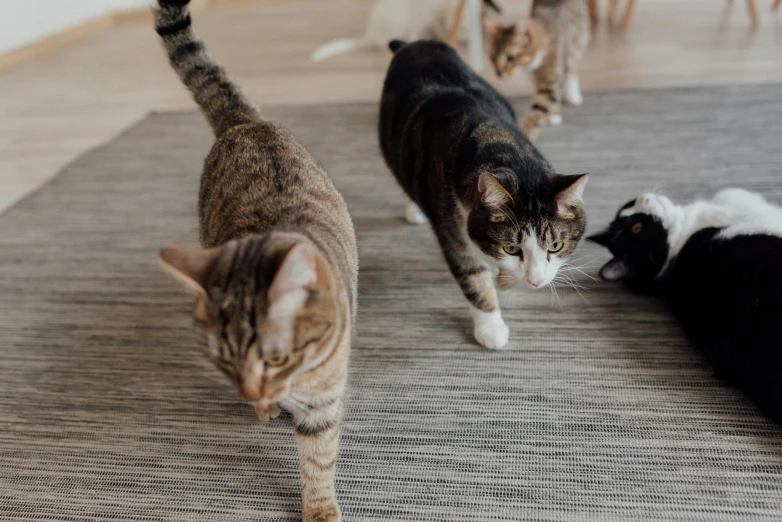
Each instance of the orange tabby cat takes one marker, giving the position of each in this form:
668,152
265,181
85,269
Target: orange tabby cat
551,44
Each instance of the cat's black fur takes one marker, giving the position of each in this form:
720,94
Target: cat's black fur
451,139
433,109
726,294
432,101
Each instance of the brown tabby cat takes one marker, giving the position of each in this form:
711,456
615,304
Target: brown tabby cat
275,283
550,44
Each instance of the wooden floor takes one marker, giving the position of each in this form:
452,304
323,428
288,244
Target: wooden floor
57,106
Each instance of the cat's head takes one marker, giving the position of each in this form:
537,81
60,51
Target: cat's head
529,239
638,240
515,46
266,309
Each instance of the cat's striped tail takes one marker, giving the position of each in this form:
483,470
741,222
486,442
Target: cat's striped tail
222,102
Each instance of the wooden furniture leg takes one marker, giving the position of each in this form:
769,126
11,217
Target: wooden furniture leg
594,11
777,3
629,14
612,7
453,36
753,11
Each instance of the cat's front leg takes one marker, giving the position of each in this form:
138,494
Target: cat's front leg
489,328
545,109
477,284
547,103
317,433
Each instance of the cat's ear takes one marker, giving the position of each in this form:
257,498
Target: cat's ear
295,278
191,266
615,270
491,27
568,192
530,28
492,194
290,289
604,238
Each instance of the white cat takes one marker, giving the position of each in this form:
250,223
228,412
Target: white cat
411,20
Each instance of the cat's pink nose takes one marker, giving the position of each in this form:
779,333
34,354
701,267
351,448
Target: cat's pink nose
535,281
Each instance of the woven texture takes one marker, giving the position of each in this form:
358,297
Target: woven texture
599,409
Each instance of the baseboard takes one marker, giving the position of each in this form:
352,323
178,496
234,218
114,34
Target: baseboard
57,41
86,30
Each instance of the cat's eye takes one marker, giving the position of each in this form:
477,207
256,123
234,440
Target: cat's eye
556,246
511,57
637,228
277,359
512,250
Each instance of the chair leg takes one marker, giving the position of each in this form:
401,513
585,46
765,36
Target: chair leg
453,36
628,14
776,5
612,7
594,11
753,11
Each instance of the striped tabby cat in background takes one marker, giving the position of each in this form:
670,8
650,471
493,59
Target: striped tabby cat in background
494,202
551,44
275,283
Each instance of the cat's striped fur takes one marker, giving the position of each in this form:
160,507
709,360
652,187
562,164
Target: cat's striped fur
551,44
494,202
275,281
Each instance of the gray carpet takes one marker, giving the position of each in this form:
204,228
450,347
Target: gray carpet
599,410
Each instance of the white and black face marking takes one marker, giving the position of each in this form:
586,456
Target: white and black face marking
529,243
638,239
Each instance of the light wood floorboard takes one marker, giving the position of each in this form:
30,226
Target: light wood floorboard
59,105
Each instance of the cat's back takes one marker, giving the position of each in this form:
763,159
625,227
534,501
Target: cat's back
427,81
429,68
259,176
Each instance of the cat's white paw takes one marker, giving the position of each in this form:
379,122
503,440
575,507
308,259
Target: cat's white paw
573,91
575,98
555,119
489,329
413,214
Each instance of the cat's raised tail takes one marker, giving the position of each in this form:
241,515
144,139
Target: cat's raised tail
339,46
220,99
395,45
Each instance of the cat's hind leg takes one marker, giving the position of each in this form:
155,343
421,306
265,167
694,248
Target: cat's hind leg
573,94
414,215
576,43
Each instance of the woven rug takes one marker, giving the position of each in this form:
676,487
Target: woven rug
599,409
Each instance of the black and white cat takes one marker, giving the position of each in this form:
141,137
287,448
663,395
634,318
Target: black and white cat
718,264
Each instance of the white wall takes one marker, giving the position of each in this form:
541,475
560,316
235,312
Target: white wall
25,21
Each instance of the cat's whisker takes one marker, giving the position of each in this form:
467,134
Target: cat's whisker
567,279
555,295
575,287
575,269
